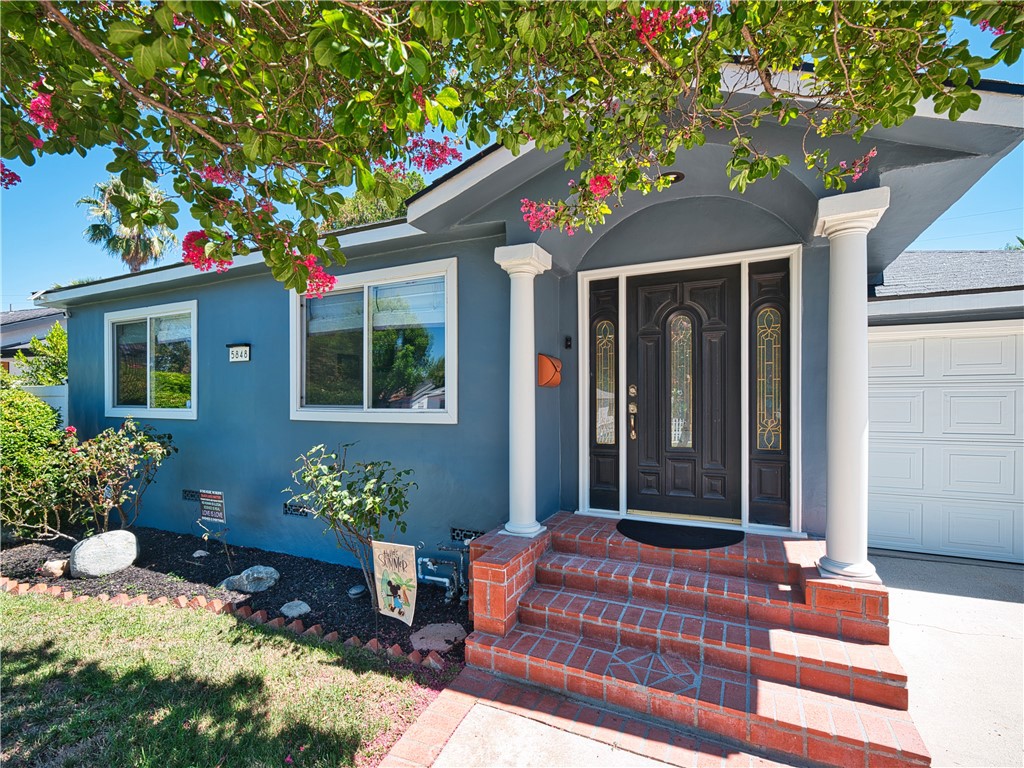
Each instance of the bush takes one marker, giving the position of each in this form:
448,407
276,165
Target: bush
34,494
110,472
354,502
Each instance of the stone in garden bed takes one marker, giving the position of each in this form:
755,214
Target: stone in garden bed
256,579
438,637
103,554
295,608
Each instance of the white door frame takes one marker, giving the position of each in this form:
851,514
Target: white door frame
743,258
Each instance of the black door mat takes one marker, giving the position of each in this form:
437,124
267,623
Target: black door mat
678,536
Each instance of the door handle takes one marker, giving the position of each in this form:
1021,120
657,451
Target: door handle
632,426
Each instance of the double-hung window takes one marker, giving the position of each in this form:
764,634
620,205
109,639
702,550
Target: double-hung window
382,346
150,360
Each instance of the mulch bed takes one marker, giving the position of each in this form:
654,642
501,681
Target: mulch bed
166,568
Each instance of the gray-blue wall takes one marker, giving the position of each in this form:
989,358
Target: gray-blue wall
244,443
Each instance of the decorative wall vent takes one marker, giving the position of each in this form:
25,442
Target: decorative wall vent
465,534
189,495
295,509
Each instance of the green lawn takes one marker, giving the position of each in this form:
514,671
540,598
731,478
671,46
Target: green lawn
94,685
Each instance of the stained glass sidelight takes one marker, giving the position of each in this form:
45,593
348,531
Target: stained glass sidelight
604,397
680,331
769,379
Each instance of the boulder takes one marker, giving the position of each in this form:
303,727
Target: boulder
294,608
55,568
255,579
103,554
438,637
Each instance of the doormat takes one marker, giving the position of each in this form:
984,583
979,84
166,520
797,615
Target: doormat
678,536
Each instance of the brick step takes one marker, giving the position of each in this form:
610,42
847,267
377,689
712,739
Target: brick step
766,715
758,557
748,598
864,672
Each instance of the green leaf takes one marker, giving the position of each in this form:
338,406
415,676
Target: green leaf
124,32
144,60
448,97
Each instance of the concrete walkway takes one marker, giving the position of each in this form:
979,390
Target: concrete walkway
957,627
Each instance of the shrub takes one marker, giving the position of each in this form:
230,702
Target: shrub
48,365
354,503
111,471
34,494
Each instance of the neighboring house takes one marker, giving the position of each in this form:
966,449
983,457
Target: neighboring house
17,328
715,371
947,404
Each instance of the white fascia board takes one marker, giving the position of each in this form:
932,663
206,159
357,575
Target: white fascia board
1003,109
158,278
462,182
953,304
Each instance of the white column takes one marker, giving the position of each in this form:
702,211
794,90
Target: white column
523,263
846,221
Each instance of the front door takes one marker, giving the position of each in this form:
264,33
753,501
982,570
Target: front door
683,394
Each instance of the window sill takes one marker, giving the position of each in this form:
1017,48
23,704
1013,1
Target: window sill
377,417
124,412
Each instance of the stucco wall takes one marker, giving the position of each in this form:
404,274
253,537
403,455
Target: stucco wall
244,443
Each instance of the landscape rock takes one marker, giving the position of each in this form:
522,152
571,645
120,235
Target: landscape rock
294,609
103,554
438,637
55,568
255,579
200,553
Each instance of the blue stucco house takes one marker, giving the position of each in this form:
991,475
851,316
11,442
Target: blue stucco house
714,351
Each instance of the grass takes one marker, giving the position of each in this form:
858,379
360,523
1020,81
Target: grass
90,684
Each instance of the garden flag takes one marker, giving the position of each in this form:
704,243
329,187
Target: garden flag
394,568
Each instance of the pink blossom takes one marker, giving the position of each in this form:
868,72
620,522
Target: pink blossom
73,449
40,111
35,142
319,282
70,430
417,96
985,24
601,186
859,166
430,154
289,760
193,251
219,174
651,22
8,178
393,168
540,216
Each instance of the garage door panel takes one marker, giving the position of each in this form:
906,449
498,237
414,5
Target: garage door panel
983,413
974,528
980,472
897,468
980,356
897,411
896,522
947,440
903,357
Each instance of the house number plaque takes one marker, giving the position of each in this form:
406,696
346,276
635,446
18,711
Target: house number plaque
238,353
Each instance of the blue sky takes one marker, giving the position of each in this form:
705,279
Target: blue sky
41,239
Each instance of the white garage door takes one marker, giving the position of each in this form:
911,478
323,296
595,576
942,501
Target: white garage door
947,440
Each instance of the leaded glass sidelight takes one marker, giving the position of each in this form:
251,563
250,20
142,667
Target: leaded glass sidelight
604,382
680,332
768,378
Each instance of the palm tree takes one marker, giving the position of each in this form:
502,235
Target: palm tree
131,224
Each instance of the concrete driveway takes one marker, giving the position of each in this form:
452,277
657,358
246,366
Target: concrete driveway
958,628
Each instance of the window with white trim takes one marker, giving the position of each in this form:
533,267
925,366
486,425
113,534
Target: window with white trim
380,347
150,360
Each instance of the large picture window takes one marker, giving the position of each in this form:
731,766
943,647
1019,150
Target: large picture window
380,347
149,362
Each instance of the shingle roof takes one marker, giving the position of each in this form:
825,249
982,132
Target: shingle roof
923,272
21,315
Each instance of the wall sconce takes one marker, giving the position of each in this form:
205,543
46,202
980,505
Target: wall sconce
673,177
549,371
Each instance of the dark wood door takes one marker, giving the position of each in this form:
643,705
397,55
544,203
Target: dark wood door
683,393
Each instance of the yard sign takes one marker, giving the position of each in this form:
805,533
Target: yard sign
394,567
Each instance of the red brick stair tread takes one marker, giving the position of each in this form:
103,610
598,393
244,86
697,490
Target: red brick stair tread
717,631
819,727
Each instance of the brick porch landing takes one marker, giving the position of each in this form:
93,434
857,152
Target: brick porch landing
744,642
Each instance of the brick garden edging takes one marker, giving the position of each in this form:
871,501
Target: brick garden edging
432,660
